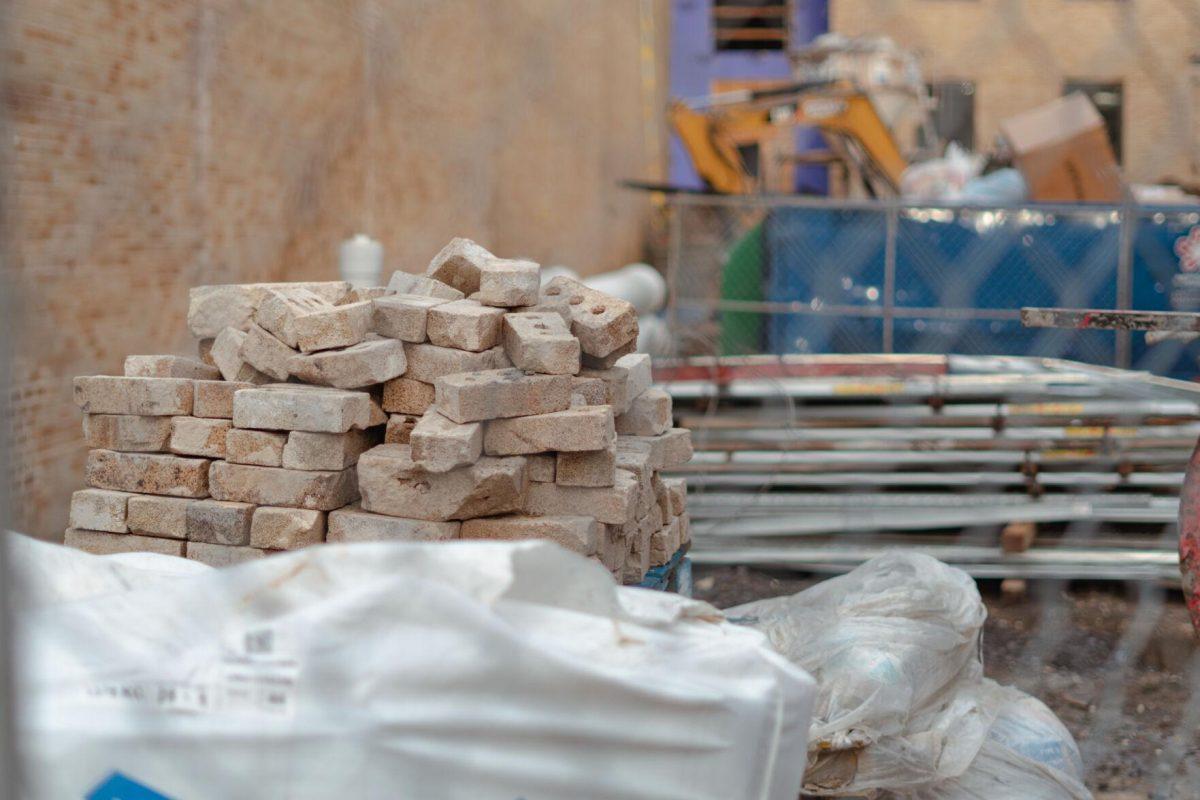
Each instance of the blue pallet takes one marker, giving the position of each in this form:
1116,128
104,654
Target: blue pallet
673,576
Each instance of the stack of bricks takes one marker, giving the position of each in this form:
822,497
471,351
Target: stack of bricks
469,402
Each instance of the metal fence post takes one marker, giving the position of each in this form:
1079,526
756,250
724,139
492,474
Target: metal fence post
1122,350
674,253
889,278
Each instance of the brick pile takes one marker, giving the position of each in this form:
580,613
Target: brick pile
469,402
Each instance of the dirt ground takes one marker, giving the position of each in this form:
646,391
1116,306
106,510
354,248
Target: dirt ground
1118,663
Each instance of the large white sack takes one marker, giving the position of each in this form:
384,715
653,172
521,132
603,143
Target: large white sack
449,670
889,644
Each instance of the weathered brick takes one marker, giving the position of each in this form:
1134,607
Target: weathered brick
611,504
616,383
458,264
428,362
218,522
197,436
100,510
392,483
490,394
669,450
540,343
465,325
221,555
508,283
267,354
307,450
151,397
612,549
601,322
610,360
399,428
213,308
214,399
127,433
577,534
638,375
295,407
677,491
404,316
158,516
649,414
372,361
591,391
148,473
169,367
587,468
440,444
256,448
360,293
227,355
352,524
339,326
280,307
101,543
407,283
407,396
277,528
572,430
541,467
271,486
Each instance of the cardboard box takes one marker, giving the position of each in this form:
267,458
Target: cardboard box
1062,150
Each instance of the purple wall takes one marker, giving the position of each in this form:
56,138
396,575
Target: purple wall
695,64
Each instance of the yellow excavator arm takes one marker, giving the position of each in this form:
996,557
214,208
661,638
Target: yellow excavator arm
712,132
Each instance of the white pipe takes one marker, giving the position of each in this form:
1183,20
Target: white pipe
360,261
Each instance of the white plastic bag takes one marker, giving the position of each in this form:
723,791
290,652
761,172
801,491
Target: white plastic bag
889,645
447,670
941,179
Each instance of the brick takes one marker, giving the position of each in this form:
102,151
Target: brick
204,351
360,293
637,561
256,448
662,498
352,524
649,414
440,444
276,528
213,308
541,467
601,322
404,316
158,516
591,391
214,399
491,394
218,522
339,326
376,416
101,543
372,361
306,450
677,491
169,367
572,430
458,264
399,428
147,473
196,436
587,468
611,504
149,397
267,354
407,396
407,283
99,510
392,483
676,448
577,534
227,355
127,433
616,382
428,362
465,325
612,549
540,343
685,529
280,307
549,305
638,375
634,453
508,283
610,360
294,407
222,555
271,486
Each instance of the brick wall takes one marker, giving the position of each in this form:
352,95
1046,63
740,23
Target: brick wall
1020,52
160,145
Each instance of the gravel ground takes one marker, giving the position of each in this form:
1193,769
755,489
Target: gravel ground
1118,664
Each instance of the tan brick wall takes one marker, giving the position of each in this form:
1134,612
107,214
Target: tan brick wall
1020,52
159,145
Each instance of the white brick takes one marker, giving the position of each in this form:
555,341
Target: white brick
440,444
169,367
197,436
150,397
508,283
490,394
301,408
99,510
372,361
278,528
404,316
352,524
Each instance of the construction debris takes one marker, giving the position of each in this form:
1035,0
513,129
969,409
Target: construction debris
449,405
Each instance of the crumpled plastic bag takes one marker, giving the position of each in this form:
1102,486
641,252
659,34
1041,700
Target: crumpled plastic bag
941,179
